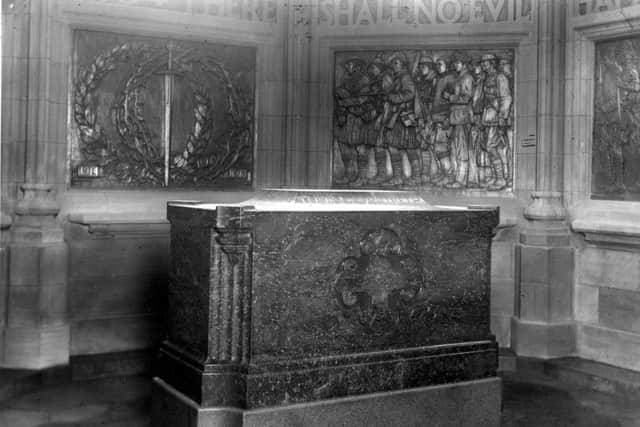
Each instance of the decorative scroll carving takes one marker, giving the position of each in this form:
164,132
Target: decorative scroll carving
231,289
616,120
120,144
378,286
424,118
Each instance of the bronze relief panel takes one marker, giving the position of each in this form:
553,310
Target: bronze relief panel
615,174
424,118
152,112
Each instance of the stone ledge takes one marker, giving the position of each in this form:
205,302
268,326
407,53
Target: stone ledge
121,227
607,222
133,206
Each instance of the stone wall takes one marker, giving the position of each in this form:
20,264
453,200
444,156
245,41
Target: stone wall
115,241
117,286
117,238
607,251
607,304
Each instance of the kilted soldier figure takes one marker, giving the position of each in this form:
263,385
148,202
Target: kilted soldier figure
425,81
351,113
381,80
400,123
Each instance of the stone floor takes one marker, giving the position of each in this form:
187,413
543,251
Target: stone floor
124,401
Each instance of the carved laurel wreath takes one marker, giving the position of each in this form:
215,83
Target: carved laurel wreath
134,158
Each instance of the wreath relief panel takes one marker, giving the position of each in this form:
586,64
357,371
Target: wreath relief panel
424,118
151,112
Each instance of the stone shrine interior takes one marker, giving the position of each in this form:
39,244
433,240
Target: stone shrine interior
321,212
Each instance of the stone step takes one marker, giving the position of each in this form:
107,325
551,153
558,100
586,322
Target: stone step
15,382
575,371
595,376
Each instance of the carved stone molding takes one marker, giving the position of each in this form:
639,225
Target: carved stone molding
35,219
37,200
545,206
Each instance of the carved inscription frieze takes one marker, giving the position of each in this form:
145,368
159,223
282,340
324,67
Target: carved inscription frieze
336,13
616,120
255,10
156,112
587,7
424,118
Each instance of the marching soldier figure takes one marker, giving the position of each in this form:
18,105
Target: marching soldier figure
497,104
400,121
504,67
461,118
440,113
425,78
381,80
350,112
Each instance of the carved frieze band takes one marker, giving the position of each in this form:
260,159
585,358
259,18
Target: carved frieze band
588,7
255,10
230,309
362,13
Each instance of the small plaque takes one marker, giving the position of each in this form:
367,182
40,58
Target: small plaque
529,141
88,171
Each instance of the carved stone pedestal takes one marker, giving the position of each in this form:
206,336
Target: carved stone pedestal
277,304
37,332
543,323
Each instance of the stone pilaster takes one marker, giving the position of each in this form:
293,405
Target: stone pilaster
297,51
543,324
5,225
206,354
36,331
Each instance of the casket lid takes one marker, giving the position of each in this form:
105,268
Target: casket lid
297,200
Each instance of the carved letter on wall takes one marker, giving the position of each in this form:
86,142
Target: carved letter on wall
411,118
152,112
616,121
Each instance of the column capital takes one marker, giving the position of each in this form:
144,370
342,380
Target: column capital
37,200
545,206
36,211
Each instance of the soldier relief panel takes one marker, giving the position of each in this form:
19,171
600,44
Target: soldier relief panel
616,121
424,118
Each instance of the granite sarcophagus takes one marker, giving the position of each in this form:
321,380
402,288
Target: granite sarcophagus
295,297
